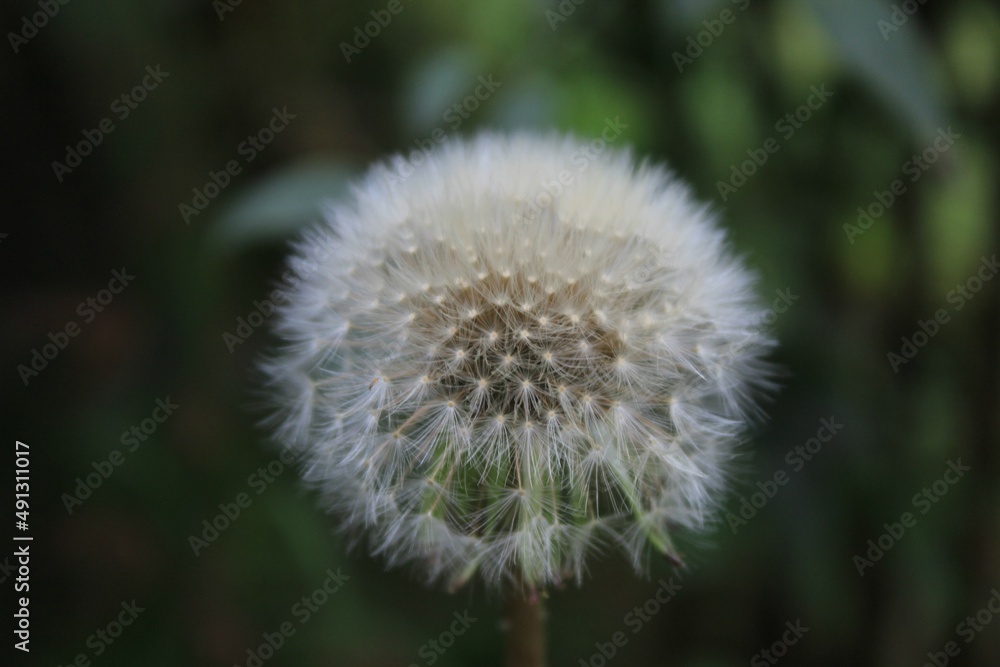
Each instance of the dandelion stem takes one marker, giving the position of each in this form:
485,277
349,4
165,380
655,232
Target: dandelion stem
525,638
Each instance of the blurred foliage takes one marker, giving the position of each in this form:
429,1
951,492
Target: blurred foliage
164,335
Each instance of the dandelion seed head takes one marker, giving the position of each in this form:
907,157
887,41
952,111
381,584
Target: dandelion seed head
480,383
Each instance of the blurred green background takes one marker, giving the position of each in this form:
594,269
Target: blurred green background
704,86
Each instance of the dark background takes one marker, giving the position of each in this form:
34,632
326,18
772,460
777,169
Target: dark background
162,336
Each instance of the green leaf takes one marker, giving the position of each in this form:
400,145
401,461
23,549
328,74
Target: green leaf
894,62
280,204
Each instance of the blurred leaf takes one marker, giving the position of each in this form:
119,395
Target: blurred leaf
496,31
526,103
972,46
436,84
803,51
679,16
956,214
897,66
280,204
709,100
871,267
588,98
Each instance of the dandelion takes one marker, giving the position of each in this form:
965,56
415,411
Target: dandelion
493,376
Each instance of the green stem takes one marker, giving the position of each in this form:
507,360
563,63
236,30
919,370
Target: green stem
525,638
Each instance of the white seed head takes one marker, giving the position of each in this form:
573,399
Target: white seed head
488,375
